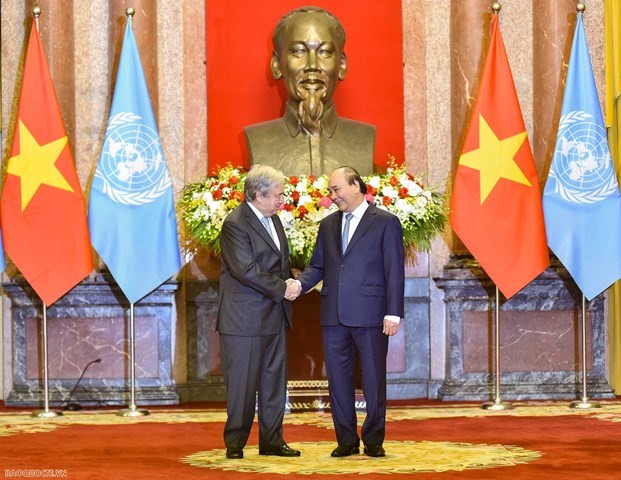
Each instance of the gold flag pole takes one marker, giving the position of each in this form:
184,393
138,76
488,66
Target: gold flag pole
584,403
497,404
132,410
46,412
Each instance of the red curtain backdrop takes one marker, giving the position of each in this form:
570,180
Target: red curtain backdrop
241,90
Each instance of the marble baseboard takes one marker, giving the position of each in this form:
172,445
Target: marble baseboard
202,391
96,396
480,391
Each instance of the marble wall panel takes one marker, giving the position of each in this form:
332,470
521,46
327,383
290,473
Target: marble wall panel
71,341
91,322
541,341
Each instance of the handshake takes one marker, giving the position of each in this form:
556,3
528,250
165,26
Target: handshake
293,289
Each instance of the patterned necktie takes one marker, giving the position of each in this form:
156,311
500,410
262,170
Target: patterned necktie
345,238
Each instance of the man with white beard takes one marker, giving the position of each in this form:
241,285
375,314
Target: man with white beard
310,138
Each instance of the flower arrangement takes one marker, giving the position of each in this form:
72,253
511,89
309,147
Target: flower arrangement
204,205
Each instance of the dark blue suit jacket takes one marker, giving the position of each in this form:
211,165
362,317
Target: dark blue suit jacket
365,283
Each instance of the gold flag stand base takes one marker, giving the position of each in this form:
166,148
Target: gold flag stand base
497,405
46,414
584,404
132,412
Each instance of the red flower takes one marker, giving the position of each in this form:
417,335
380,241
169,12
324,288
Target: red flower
236,195
393,181
293,180
386,201
371,190
302,210
288,207
311,178
295,196
217,195
403,192
234,180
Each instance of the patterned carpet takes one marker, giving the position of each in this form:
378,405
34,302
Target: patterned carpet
534,441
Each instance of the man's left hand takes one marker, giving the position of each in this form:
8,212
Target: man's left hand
390,328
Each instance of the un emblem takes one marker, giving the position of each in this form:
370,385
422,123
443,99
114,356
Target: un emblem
132,167
582,165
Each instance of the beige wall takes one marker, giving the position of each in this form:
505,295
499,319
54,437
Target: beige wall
443,45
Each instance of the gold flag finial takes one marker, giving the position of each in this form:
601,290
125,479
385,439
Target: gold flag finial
580,7
496,7
36,12
129,11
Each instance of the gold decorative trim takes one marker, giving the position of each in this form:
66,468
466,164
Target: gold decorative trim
401,457
292,384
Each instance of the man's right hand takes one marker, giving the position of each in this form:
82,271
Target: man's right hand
293,289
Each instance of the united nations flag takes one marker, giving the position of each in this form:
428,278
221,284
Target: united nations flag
131,210
581,199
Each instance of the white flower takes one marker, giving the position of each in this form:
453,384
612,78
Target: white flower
390,192
412,186
320,183
402,205
305,199
374,181
302,185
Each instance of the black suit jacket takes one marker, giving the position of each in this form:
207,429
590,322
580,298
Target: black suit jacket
252,276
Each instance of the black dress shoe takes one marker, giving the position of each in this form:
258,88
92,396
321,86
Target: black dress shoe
234,453
344,450
374,451
281,451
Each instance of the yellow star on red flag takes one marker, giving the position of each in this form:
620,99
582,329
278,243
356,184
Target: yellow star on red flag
495,159
35,164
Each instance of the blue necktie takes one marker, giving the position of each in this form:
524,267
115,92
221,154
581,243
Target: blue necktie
345,238
266,223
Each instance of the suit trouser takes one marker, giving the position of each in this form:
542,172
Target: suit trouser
251,366
340,344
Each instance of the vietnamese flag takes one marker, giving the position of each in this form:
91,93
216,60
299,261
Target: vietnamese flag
42,208
496,207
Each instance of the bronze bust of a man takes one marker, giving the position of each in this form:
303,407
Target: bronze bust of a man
310,138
